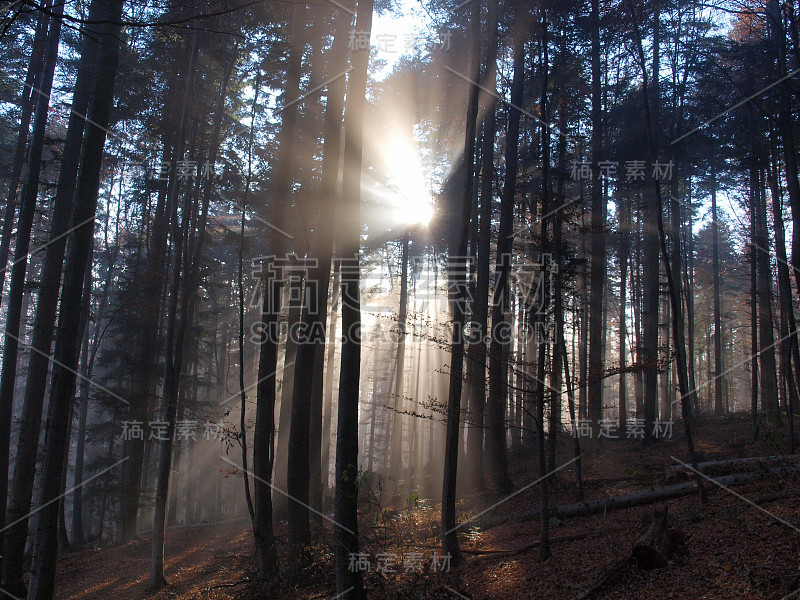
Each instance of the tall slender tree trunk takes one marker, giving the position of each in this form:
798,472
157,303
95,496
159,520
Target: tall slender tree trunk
396,468
311,340
719,407
790,349
457,274
583,328
264,434
28,98
327,415
14,537
598,239
154,278
45,547
280,503
650,271
636,297
769,383
673,281
248,497
690,289
36,379
80,448
477,351
349,581
86,303
501,331
677,307
331,155
786,128
179,321
624,252
753,321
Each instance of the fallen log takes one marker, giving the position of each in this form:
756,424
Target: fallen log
669,492
765,498
673,470
633,499
228,585
489,555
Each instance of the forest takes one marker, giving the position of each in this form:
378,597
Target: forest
399,299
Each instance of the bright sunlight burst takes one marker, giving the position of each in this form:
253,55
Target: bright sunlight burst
413,202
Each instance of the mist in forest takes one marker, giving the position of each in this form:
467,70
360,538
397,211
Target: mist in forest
483,299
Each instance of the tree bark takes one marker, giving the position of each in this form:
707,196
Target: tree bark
327,415
598,239
396,468
312,335
264,433
346,501
457,273
14,537
624,252
501,331
331,155
769,383
786,128
45,547
790,349
180,312
719,407
27,102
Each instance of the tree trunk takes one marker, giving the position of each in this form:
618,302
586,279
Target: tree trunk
753,322
43,566
396,468
145,368
180,311
327,416
769,384
786,128
331,155
280,503
311,341
598,239
624,252
349,581
790,352
27,102
500,338
14,537
264,433
77,499
673,282
248,497
719,407
658,543
457,273
543,305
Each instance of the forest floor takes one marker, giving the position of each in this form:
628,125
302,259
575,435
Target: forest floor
734,550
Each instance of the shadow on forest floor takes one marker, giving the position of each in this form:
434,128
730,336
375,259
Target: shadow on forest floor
734,550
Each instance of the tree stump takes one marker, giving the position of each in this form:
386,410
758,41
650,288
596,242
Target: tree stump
658,543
